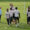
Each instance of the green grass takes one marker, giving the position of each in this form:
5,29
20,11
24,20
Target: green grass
20,5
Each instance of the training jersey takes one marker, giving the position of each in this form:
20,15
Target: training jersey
11,13
16,12
12,7
7,14
28,14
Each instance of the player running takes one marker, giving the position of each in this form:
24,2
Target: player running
7,16
16,16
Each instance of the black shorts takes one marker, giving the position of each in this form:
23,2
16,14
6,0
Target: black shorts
28,19
16,18
11,18
7,18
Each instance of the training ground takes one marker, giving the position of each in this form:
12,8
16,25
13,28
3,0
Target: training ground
22,7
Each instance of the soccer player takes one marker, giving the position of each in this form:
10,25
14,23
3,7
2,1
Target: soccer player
16,15
7,16
28,15
0,14
11,15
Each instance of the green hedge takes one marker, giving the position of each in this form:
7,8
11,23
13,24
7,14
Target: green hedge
15,0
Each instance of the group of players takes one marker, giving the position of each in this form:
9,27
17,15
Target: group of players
12,15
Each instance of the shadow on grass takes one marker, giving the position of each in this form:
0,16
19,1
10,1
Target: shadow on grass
24,26
20,26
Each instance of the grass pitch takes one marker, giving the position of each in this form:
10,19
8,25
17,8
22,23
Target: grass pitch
23,20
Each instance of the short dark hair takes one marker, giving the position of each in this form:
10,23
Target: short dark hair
7,9
10,8
16,7
28,6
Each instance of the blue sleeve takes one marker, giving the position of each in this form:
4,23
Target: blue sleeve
0,12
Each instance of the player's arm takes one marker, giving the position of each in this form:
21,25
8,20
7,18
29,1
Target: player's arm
27,14
9,13
27,11
13,14
19,15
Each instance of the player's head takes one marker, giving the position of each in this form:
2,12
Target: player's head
16,8
11,4
28,7
10,8
7,9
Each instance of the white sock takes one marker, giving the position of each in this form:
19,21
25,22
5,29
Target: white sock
16,25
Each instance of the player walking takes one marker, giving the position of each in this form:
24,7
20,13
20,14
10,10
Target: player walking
7,16
28,15
16,15
11,15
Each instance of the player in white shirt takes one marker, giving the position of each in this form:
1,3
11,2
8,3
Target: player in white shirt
7,16
12,6
11,15
28,15
16,15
